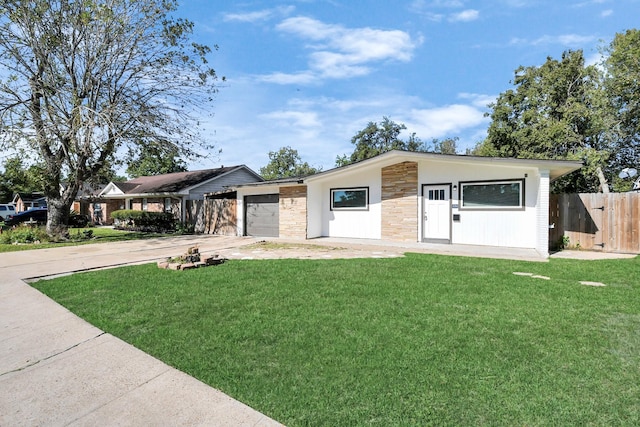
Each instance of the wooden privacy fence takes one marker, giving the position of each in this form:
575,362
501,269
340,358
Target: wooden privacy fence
212,216
596,221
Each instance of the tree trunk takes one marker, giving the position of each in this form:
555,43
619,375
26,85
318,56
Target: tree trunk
604,185
57,217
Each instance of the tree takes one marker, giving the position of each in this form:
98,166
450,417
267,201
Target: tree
155,159
553,113
445,146
286,163
379,138
84,78
622,86
16,178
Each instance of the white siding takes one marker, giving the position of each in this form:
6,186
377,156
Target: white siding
542,244
240,176
492,228
315,212
356,224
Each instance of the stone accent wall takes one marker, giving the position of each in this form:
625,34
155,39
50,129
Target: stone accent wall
293,212
400,202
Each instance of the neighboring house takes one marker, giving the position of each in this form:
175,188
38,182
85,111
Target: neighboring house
26,201
412,197
87,202
174,192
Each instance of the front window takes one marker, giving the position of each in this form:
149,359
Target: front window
500,195
167,204
144,204
350,198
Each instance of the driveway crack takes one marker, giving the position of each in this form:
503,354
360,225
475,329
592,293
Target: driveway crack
35,362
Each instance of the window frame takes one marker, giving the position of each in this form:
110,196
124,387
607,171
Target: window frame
522,202
332,207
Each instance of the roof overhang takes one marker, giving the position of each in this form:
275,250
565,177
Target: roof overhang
556,168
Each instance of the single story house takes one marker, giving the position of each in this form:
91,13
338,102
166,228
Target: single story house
412,197
172,192
26,201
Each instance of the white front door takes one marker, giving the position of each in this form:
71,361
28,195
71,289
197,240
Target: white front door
436,213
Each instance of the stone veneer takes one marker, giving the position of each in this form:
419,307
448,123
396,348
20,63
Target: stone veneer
293,212
400,202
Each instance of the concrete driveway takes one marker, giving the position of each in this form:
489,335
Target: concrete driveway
58,370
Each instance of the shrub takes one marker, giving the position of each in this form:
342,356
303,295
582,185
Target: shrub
143,221
24,234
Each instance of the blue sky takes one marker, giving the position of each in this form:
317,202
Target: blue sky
310,74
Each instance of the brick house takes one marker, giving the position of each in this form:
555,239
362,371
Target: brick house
174,192
411,197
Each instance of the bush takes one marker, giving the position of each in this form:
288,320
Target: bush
143,221
24,234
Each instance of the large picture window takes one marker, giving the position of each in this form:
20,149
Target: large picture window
507,194
350,198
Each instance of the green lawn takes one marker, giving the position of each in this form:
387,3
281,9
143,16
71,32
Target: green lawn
99,235
421,340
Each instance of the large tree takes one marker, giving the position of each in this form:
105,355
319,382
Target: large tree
154,158
84,78
554,112
377,138
286,163
622,86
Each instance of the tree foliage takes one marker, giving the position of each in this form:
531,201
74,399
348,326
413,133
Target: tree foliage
622,86
286,163
377,138
17,178
83,78
565,109
154,159
553,113
444,146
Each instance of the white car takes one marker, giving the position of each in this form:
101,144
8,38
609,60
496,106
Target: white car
6,212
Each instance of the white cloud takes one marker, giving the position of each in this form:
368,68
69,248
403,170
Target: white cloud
572,40
258,16
478,100
294,118
447,121
465,16
303,78
606,13
339,52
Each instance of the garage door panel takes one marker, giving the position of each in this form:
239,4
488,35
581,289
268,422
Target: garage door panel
261,215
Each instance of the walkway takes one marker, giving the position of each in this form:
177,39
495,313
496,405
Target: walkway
58,370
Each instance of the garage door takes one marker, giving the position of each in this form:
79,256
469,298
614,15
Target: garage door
261,215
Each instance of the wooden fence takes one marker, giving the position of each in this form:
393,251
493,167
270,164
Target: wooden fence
596,221
212,216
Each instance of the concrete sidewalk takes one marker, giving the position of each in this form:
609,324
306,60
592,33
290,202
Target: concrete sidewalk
56,369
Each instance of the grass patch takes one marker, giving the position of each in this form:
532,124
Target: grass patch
77,237
421,340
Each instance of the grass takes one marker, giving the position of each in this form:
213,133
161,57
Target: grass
100,235
421,340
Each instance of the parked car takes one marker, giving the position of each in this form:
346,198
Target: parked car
7,211
32,216
39,216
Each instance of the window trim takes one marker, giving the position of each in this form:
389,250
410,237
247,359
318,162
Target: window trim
358,208
520,207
